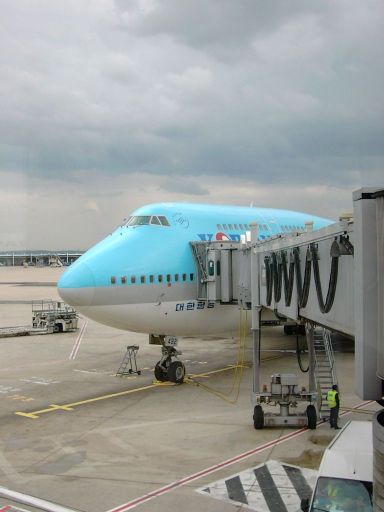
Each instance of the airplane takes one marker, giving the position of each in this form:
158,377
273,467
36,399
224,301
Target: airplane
143,276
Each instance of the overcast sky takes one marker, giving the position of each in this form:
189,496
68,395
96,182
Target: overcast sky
107,105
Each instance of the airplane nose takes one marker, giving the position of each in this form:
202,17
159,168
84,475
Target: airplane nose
77,285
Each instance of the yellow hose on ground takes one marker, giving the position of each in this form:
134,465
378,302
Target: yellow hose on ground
238,367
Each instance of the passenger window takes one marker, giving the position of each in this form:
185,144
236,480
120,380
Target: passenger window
230,226
168,278
176,277
142,279
225,226
236,226
160,278
123,280
241,226
184,277
191,277
218,268
163,220
219,227
151,279
133,279
113,280
155,220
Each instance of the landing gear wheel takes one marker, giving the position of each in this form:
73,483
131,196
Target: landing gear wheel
312,417
176,372
258,417
160,374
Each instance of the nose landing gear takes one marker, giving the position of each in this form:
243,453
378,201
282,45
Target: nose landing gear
169,368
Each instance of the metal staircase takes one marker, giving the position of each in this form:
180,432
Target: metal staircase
128,365
325,374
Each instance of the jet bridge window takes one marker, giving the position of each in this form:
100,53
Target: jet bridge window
191,277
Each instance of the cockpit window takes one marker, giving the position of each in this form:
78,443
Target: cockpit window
139,220
163,220
143,220
155,220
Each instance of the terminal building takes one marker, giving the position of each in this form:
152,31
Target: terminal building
38,258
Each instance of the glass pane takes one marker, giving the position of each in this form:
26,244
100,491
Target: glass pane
140,221
163,220
155,220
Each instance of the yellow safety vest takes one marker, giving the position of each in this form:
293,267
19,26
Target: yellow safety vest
331,397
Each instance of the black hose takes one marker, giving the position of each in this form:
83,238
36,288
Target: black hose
277,277
268,272
332,285
302,288
298,353
288,278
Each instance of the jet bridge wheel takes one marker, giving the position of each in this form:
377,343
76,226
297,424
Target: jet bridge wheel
312,417
176,372
258,417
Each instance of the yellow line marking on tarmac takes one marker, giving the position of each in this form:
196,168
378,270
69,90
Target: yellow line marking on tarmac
156,384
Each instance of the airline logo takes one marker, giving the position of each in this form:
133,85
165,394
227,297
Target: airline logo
220,236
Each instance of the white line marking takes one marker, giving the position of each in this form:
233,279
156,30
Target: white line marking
76,346
32,501
196,476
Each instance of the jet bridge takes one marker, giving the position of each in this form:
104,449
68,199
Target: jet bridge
328,280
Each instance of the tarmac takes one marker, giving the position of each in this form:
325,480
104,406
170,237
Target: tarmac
74,436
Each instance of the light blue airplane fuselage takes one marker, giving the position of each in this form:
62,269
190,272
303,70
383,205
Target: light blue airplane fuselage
142,277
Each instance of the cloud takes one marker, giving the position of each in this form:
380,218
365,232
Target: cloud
189,99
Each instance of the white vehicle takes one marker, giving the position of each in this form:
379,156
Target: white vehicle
344,482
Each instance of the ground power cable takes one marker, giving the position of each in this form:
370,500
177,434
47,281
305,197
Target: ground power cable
238,367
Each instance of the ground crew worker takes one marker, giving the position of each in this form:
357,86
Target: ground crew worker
334,406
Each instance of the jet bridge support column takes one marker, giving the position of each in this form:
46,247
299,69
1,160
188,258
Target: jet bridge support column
256,308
